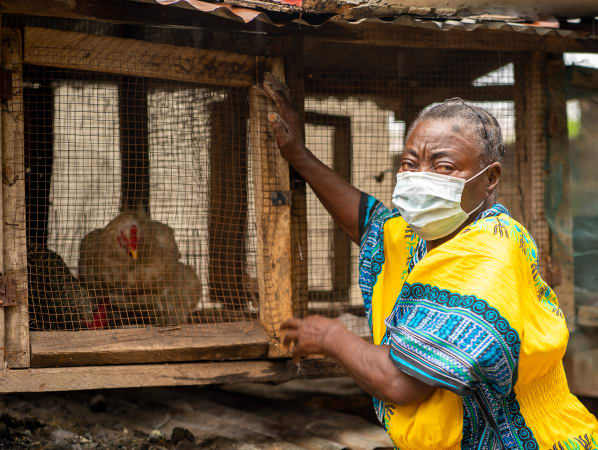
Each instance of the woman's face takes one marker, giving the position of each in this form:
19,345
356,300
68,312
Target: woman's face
450,147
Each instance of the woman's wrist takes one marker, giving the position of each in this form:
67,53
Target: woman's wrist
334,335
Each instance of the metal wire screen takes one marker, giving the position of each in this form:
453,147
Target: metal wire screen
137,201
359,103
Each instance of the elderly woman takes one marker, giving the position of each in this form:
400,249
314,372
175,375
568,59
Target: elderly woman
468,338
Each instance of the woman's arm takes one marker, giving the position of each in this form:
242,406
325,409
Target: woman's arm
368,364
336,194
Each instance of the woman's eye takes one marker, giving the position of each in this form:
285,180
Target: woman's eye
444,169
407,165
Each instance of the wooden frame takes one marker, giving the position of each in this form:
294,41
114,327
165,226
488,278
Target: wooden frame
235,340
16,318
341,245
273,216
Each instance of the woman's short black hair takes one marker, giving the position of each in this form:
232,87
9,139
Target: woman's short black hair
484,124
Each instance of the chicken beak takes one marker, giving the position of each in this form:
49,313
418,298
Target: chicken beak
133,253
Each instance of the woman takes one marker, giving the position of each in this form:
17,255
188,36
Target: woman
468,339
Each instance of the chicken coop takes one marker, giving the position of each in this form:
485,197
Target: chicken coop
153,235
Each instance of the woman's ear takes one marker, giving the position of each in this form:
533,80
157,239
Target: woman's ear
494,172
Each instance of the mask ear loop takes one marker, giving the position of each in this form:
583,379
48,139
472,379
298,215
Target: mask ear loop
468,180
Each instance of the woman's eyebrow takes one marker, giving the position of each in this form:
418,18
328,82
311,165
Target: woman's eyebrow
437,154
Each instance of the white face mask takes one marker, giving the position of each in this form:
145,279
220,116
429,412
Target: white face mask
431,203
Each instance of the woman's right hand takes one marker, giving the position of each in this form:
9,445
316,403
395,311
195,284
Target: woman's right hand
286,123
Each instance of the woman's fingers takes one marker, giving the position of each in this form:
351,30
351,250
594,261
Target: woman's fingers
291,324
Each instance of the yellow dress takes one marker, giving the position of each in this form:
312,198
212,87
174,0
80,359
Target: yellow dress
474,318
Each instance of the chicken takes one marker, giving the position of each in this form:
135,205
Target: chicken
133,263
57,300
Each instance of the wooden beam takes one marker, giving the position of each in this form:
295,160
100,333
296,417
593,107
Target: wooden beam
558,186
227,222
530,110
134,144
81,51
582,77
2,329
224,341
388,89
342,149
154,375
295,79
273,218
13,204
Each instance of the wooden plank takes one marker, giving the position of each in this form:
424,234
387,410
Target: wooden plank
273,222
108,377
81,51
587,316
13,203
134,144
225,341
558,186
151,375
230,284
2,330
582,77
295,78
530,110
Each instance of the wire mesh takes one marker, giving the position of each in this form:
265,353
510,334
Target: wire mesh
582,112
137,200
359,103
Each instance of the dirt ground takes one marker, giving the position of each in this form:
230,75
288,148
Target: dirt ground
317,414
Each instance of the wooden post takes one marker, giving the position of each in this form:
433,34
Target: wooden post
558,204
2,331
273,219
295,79
227,226
134,144
13,203
530,110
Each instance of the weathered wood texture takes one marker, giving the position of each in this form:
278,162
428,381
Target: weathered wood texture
80,51
134,144
582,77
13,204
273,217
2,330
238,340
558,186
230,285
582,356
147,375
530,111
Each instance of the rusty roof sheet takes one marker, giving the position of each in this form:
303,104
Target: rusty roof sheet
292,14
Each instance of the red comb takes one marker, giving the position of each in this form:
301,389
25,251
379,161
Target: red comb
133,232
99,319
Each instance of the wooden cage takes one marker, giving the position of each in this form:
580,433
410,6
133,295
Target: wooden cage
342,80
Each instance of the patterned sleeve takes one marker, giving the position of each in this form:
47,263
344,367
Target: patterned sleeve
370,209
457,342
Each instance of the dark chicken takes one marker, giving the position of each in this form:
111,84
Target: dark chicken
57,300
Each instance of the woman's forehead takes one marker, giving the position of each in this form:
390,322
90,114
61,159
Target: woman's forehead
455,134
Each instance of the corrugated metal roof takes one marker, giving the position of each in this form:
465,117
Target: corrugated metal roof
293,15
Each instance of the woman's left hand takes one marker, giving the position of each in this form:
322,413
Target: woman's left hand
311,335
